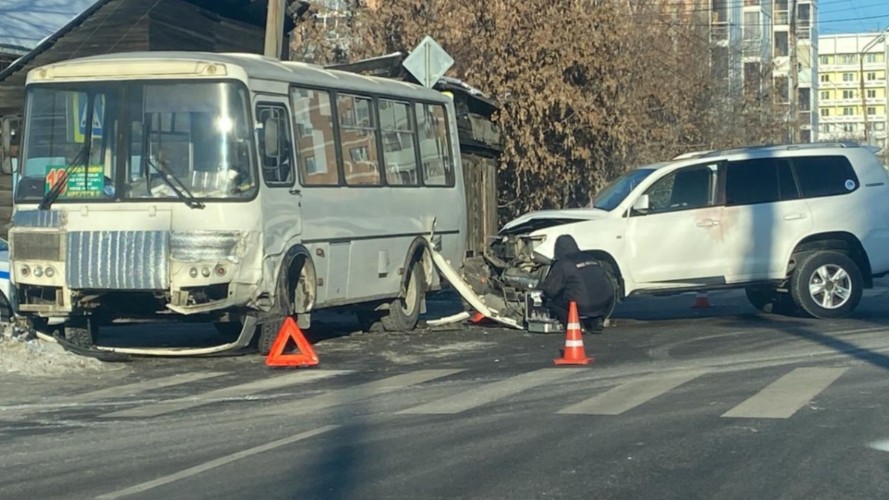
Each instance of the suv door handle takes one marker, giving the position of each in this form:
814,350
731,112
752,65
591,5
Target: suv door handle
794,216
708,223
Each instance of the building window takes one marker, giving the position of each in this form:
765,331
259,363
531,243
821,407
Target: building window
825,78
824,59
872,58
825,111
825,128
825,95
848,128
871,93
752,26
871,110
871,75
848,94
847,58
848,77
781,44
848,111
879,126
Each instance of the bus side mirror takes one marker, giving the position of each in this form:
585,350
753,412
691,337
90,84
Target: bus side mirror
642,204
272,137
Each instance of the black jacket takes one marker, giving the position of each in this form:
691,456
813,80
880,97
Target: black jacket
574,276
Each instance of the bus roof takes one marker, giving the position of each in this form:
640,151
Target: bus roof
251,66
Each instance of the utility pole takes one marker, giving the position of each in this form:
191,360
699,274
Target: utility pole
274,29
861,54
794,77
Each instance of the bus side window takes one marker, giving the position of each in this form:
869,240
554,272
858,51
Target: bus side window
399,153
435,145
358,140
275,145
316,153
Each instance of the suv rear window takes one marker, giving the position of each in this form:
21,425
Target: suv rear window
763,180
825,175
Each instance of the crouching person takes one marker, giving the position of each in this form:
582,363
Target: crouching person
579,278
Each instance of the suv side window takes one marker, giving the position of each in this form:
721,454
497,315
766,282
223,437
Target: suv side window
684,189
765,180
825,175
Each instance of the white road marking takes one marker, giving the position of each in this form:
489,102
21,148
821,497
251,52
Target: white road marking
147,385
629,395
880,445
783,397
193,471
490,392
363,391
163,407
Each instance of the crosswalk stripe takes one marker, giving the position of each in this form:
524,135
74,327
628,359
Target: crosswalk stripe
783,397
164,407
489,392
631,394
146,385
363,391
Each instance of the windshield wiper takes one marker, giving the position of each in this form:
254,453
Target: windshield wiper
61,181
178,187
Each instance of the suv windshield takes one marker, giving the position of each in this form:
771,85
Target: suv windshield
176,141
614,193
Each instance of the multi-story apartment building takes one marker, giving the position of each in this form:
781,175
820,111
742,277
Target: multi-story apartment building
806,22
843,109
751,49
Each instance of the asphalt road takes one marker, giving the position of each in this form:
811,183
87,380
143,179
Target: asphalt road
683,403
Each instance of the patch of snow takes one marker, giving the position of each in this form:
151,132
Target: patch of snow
36,358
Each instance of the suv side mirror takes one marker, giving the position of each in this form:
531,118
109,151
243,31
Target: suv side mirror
642,204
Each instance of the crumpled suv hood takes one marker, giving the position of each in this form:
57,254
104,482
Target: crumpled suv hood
535,221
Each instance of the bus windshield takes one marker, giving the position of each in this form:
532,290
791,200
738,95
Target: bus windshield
165,140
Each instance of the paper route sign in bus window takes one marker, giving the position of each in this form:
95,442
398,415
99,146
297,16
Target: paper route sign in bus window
83,181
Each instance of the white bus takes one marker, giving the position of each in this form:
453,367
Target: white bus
230,188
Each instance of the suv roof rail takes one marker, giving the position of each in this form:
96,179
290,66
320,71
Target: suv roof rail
773,147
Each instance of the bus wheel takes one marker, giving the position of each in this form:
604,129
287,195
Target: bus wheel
404,311
81,331
267,334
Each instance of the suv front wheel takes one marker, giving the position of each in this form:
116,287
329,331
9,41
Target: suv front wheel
827,284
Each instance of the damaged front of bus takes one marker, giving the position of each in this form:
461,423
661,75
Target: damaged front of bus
137,194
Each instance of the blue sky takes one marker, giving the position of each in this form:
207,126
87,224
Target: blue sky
24,23
849,16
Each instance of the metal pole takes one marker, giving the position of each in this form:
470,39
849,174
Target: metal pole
863,96
794,77
274,29
861,54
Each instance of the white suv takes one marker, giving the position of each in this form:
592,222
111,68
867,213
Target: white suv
797,226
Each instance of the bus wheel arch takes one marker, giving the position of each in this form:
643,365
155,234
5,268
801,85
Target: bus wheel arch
403,312
297,283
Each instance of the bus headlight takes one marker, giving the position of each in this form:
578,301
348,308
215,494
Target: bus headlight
205,272
193,272
38,271
25,271
49,272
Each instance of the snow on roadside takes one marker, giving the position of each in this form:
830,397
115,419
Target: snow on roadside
38,358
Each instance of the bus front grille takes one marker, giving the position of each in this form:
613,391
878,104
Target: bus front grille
36,246
118,260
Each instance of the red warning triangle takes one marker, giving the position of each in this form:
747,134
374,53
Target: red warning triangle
305,355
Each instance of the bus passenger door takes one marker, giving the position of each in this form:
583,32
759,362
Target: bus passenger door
281,197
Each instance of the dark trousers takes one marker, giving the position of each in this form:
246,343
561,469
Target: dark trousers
559,309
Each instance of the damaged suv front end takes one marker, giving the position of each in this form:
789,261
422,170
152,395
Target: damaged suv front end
518,259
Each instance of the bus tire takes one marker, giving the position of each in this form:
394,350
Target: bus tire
268,332
81,332
404,311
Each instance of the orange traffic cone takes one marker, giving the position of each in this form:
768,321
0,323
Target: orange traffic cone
304,357
701,301
573,353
